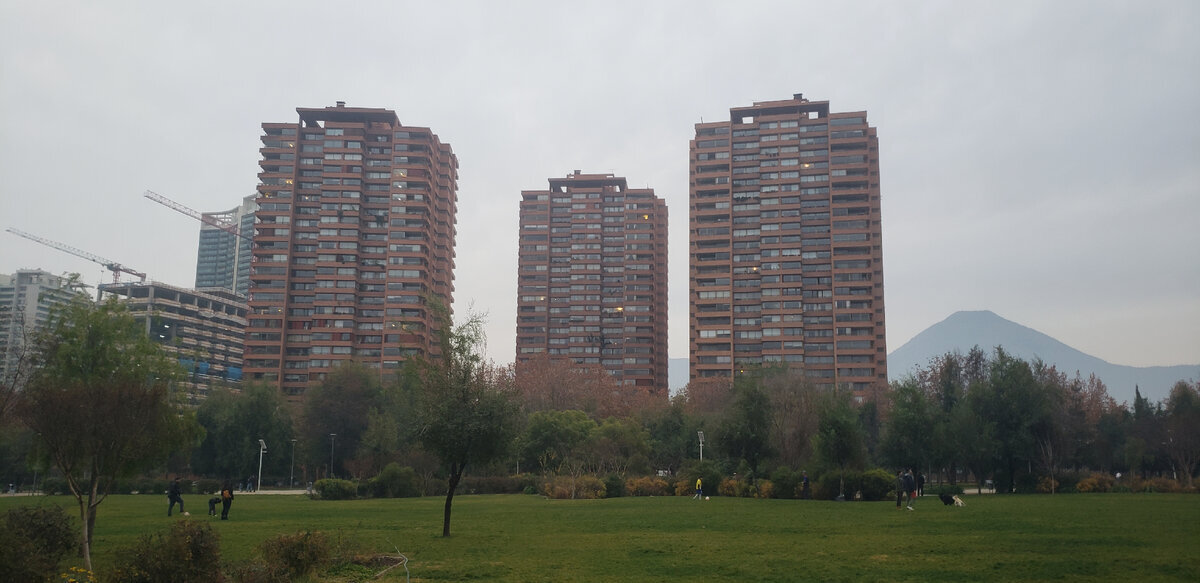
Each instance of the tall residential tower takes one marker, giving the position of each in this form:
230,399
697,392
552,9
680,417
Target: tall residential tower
223,258
354,235
786,258
593,278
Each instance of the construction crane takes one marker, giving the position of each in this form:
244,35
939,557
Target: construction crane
228,227
109,264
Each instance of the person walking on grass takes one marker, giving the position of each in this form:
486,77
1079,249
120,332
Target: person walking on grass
910,487
699,490
174,496
226,499
900,492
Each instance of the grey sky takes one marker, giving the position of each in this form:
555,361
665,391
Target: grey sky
1038,159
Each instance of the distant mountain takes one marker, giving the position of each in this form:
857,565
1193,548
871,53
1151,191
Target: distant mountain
964,330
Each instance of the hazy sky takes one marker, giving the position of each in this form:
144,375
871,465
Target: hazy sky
1038,159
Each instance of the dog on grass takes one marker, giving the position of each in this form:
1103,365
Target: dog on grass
947,499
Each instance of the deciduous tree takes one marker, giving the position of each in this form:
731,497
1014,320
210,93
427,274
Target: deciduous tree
469,407
99,402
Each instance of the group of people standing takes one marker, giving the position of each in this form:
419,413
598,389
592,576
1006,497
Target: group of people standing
225,499
908,487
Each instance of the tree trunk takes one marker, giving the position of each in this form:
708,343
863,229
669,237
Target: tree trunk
85,543
455,476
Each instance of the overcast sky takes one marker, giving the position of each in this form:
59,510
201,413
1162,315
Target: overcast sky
1039,159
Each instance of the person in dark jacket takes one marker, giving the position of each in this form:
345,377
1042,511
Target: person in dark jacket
174,495
900,493
910,486
921,484
226,499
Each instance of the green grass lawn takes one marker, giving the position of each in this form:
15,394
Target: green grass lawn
1078,537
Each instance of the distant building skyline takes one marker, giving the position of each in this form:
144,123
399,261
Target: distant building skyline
222,257
354,235
786,257
26,300
592,278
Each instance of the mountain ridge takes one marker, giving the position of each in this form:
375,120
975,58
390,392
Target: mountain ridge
964,330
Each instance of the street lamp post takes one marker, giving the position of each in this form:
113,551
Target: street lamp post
332,440
292,469
700,434
262,448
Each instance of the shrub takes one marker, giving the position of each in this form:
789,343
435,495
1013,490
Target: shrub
787,482
1047,485
1095,482
876,484
826,487
208,486
33,541
571,488
1158,485
491,485
647,486
55,486
764,489
395,481
296,555
333,489
189,551
948,489
614,486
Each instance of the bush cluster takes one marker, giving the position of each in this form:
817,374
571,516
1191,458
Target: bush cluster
1095,482
571,488
33,541
188,552
296,555
395,481
647,486
740,488
948,489
492,484
614,486
333,489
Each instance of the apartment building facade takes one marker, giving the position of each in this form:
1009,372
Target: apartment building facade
27,298
592,278
354,235
786,257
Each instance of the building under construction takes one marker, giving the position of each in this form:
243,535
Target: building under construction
205,331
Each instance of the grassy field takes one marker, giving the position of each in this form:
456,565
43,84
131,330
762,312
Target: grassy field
1080,537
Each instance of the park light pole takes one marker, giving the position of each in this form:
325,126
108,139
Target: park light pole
292,469
332,440
262,448
700,434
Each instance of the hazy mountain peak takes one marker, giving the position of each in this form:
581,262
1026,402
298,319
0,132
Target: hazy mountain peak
963,330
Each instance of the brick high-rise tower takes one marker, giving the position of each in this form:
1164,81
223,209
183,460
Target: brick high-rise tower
593,278
354,233
786,258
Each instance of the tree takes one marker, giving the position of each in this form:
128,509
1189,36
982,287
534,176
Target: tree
1183,428
907,440
550,437
745,432
234,422
839,436
99,402
1014,402
469,408
341,406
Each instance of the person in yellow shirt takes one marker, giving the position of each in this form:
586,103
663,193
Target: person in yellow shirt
699,490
